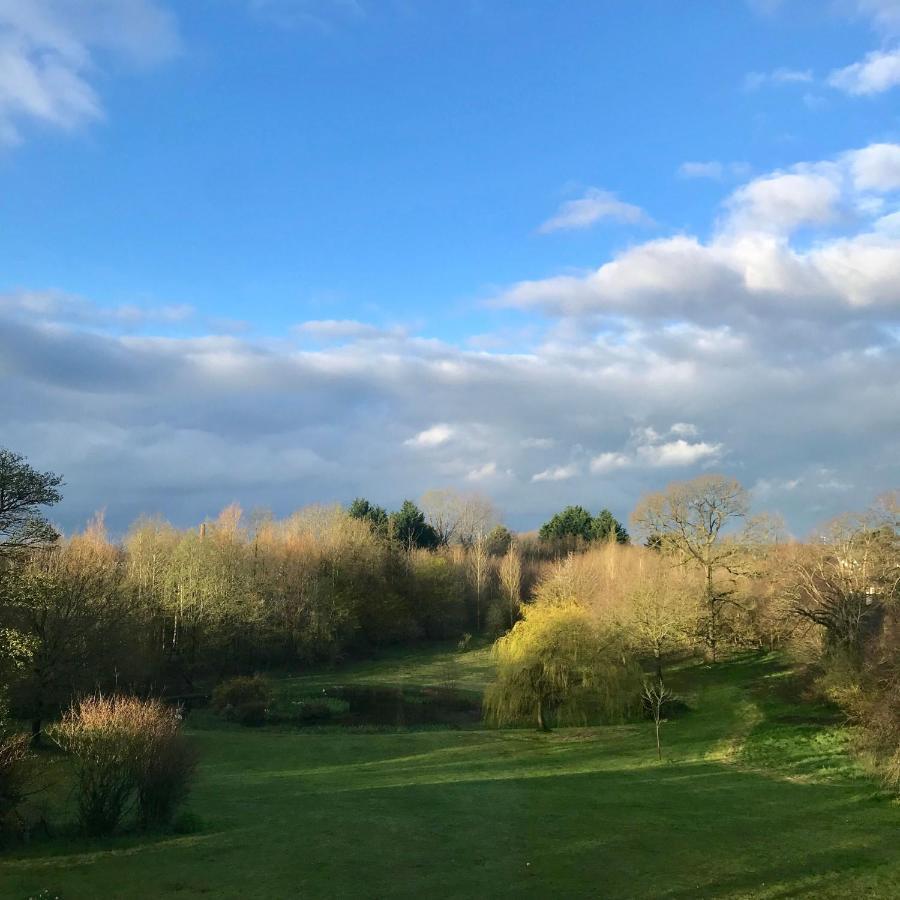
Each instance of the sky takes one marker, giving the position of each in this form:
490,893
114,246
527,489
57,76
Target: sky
278,252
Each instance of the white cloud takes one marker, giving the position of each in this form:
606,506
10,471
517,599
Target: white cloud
749,268
594,206
885,14
781,202
609,462
875,168
649,448
879,71
771,354
345,329
677,453
431,437
483,472
50,50
714,170
753,81
557,473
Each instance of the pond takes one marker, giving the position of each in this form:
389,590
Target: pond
388,705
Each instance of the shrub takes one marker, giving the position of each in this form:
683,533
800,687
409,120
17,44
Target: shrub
163,777
14,778
127,752
243,699
321,709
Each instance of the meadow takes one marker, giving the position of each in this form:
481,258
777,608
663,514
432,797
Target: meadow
757,796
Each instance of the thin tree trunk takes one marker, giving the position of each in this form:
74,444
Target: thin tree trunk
542,725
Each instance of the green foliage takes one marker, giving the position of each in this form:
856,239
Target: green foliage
499,539
605,526
23,490
245,699
409,528
16,770
557,662
575,522
375,516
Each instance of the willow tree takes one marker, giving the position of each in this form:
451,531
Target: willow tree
558,663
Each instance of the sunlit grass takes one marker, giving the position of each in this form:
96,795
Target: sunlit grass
744,805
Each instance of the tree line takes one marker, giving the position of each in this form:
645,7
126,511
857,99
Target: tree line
586,620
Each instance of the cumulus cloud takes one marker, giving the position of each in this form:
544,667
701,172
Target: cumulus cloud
431,437
557,473
594,206
750,269
649,448
879,71
771,354
51,50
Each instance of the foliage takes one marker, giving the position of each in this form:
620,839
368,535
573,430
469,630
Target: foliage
558,663
165,772
376,516
126,751
688,520
244,699
606,527
23,490
499,540
15,778
66,604
575,523
409,528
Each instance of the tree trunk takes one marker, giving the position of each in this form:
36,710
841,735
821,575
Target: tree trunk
713,627
659,669
542,725
658,745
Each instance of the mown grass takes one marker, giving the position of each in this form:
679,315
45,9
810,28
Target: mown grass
753,800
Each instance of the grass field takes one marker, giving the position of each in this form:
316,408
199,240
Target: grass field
756,798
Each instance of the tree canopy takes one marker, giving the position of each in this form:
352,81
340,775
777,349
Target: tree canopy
409,528
577,522
558,663
23,490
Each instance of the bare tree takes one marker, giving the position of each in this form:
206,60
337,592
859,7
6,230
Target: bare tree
511,582
656,696
843,581
479,566
456,516
688,519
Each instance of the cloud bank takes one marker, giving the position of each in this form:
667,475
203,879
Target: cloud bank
769,349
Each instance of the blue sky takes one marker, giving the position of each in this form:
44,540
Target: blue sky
333,247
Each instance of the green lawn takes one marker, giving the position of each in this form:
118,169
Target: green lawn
756,799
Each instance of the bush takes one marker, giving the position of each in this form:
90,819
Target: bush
321,709
127,752
14,778
243,699
163,780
